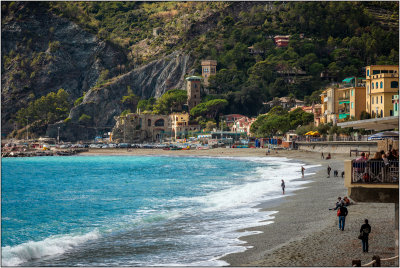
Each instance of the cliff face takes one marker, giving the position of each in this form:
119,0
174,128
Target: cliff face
43,53
102,104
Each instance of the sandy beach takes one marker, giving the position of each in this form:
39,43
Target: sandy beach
304,231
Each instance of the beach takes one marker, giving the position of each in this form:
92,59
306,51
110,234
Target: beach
304,231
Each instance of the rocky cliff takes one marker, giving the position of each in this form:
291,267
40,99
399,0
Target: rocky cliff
42,53
103,103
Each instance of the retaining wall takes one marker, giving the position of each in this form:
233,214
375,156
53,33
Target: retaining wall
338,147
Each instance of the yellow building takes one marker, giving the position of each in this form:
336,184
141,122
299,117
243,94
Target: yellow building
208,68
351,98
180,125
382,84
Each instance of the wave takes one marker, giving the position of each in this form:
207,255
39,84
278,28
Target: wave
54,245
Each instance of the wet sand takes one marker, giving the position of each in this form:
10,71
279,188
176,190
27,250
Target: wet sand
305,232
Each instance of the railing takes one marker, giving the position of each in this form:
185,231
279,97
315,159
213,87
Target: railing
376,261
375,171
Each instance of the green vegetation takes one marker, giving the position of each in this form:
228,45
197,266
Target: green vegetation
146,105
130,100
47,109
336,39
171,101
85,119
278,120
79,100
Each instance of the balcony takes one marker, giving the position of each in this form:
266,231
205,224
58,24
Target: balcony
372,180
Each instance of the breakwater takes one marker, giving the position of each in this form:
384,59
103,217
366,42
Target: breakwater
43,153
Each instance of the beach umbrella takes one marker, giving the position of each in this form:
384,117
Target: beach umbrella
308,133
385,135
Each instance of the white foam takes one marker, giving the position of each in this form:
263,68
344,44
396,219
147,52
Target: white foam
54,245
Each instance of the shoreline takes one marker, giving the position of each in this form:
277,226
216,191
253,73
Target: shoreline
304,231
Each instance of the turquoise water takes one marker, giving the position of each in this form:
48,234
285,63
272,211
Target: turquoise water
133,210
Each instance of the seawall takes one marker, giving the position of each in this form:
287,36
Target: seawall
338,147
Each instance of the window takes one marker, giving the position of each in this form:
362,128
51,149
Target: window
368,72
394,84
381,84
372,100
352,105
381,99
149,123
376,84
377,101
372,85
159,123
381,113
195,85
376,72
395,107
352,92
391,112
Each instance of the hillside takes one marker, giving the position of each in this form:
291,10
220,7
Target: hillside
99,49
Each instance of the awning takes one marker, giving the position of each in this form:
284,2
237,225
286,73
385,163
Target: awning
348,80
384,123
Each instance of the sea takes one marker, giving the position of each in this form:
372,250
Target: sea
136,210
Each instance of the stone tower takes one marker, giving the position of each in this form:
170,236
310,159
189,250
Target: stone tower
208,68
193,91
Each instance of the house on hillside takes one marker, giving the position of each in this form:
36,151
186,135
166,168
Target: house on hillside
230,119
208,68
281,40
285,103
242,125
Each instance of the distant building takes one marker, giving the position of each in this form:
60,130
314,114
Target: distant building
317,108
255,51
193,85
230,119
329,107
351,94
281,40
382,83
242,125
285,103
208,68
138,128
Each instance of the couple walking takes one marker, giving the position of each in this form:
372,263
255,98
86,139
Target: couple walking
364,230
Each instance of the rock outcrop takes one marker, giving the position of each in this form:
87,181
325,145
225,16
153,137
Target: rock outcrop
43,52
102,104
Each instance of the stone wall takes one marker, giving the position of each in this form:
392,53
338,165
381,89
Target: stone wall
338,147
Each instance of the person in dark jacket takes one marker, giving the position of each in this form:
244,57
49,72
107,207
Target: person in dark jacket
364,232
342,216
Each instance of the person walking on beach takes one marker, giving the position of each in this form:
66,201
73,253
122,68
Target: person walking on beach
283,186
302,171
364,232
322,155
342,213
329,171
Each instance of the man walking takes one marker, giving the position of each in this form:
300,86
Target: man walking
329,171
364,232
283,186
342,216
302,171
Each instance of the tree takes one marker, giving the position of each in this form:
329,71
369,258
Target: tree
170,101
130,100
